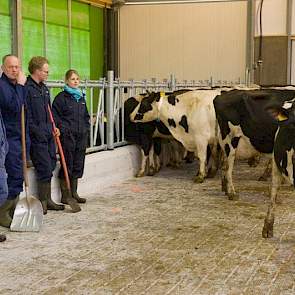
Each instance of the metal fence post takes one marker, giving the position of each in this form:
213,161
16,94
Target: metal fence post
172,83
110,110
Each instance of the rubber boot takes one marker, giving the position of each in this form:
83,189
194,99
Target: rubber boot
5,218
50,204
15,200
2,238
67,198
42,195
74,185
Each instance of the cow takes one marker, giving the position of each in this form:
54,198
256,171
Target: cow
145,135
245,128
283,160
190,117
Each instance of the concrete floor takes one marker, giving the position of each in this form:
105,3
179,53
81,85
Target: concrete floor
158,235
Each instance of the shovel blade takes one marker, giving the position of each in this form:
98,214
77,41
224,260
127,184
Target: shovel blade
28,215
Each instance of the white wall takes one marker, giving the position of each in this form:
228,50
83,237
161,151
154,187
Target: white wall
192,40
274,16
102,169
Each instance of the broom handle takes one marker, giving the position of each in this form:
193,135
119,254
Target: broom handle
60,150
24,151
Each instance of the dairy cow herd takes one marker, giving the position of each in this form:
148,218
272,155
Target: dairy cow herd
219,124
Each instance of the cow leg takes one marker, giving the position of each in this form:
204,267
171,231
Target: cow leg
157,149
144,158
267,231
202,155
151,168
213,161
267,172
229,166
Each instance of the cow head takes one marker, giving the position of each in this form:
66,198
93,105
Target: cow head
283,113
147,110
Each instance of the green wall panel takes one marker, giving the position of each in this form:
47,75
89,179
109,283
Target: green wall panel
32,41
4,7
80,15
57,12
96,43
32,9
57,51
81,52
5,35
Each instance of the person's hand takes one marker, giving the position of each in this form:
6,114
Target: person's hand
21,78
56,132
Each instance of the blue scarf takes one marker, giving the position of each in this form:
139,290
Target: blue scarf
75,92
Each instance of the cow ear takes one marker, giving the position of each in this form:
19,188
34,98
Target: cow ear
277,114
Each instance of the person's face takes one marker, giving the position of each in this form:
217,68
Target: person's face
42,74
73,81
11,67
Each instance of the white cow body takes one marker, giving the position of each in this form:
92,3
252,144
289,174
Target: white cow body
191,120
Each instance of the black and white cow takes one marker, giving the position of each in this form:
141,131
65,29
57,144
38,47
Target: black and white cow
246,129
283,156
190,117
145,135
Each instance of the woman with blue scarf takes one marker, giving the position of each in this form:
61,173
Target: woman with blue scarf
72,118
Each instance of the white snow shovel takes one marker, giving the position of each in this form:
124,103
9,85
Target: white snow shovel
28,213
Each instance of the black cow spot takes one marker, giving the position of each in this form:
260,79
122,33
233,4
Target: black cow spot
172,99
235,142
227,149
183,123
171,122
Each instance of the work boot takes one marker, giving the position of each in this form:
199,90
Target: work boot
74,185
15,200
66,197
2,238
44,193
5,218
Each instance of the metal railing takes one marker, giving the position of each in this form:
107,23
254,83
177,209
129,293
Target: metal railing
105,100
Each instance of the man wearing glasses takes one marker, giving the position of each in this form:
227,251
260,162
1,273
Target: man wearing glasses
12,97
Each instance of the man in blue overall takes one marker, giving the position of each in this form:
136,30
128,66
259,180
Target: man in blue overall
43,150
4,218
12,97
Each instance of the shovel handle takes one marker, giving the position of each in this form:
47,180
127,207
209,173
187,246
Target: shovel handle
60,150
24,150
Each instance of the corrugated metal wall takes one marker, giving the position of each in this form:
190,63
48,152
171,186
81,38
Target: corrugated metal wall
192,40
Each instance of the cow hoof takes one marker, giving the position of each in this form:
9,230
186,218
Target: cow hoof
267,231
139,174
199,179
262,178
151,172
233,197
211,173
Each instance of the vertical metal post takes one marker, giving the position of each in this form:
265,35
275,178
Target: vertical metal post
44,28
250,41
16,15
110,110
172,82
289,45
70,32
91,117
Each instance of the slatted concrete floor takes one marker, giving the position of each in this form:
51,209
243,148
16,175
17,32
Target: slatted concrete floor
158,235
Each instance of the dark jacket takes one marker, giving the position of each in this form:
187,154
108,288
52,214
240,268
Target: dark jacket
38,100
70,115
12,97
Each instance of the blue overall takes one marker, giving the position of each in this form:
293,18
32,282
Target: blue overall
3,153
43,150
12,97
72,118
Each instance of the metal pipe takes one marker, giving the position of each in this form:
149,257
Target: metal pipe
178,2
110,110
